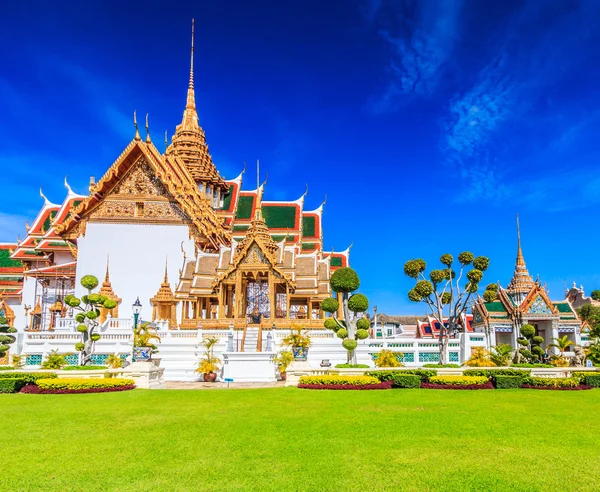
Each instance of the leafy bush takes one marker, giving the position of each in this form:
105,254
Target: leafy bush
339,380
82,383
28,377
458,380
344,280
528,365
54,360
358,303
7,368
352,366
424,374
581,375
387,358
453,366
330,305
84,368
508,382
363,324
553,382
592,380
407,381
494,373
480,357
11,385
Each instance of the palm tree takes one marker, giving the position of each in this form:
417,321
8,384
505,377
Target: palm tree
562,344
501,354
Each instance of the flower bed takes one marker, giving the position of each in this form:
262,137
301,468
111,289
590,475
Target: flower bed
343,382
79,385
458,382
388,375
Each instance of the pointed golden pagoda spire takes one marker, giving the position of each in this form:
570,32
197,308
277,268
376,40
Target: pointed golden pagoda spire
522,282
164,302
137,132
189,142
107,291
148,140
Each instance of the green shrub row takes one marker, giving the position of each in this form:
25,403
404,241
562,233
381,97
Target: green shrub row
553,382
407,381
437,366
28,377
508,382
458,380
592,380
7,368
84,368
11,385
581,375
383,375
82,383
352,366
343,380
493,373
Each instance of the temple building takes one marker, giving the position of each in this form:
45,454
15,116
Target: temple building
525,301
235,258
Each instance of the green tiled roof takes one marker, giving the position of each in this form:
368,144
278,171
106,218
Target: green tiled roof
240,228
336,261
6,261
280,216
309,226
48,221
11,279
278,238
495,307
308,246
244,208
563,307
227,199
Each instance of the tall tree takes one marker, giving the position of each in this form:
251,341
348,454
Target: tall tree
89,310
345,281
442,291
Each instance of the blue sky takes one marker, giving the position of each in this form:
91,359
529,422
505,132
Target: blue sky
428,124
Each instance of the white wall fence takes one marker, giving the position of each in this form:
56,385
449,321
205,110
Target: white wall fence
180,350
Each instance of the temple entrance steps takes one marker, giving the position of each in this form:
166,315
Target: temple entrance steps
250,339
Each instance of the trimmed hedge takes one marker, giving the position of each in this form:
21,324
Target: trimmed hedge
433,366
82,383
552,382
407,381
508,382
377,386
35,390
335,379
384,375
593,380
84,368
581,375
7,368
487,385
28,377
352,366
458,380
493,373
11,385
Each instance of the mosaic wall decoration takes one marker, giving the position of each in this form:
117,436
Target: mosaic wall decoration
409,357
429,357
33,360
539,307
99,359
72,359
453,357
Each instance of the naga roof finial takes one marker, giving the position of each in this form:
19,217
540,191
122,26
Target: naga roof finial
69,190
148,140
137,132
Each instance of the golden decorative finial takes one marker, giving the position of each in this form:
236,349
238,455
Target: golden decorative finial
520,259
69,190
147,131
137,132
27,226
306,192
166,280
191,100
107,276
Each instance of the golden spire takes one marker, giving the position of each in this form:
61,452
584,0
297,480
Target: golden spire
521,283
137,132
191,99
107,276
147,131
166,280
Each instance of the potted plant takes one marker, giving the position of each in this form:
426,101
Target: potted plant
143,346
283,360
209,364
299,341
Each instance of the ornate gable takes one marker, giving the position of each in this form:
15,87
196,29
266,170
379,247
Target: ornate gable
538,303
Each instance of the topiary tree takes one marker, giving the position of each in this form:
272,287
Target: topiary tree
596,295
87,318
442,291
491,293
530,343
345,281
6,340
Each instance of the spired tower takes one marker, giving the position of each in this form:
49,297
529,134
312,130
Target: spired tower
189,144
521,283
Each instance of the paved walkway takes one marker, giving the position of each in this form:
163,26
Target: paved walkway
212,386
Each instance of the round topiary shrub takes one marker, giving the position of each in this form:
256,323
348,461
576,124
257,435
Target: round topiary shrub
80,317
481,263
446,298
349,344
95,337
537,340
79,346
475,276
537,350
528,331
92,314
363,324
490,295
362,334
447,259
437,276
330,305
82,328
342,333
93,298
72,301
424,288
523,341
412,268
466,257
331,324
110,304
358,303
344,280
89,282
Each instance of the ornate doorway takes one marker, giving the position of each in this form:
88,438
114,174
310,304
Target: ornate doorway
258,304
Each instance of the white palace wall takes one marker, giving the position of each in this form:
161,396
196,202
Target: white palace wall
137,255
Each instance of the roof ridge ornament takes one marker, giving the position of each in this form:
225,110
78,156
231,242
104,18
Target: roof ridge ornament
148,140
137,136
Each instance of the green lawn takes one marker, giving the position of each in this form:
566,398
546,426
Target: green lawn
291,439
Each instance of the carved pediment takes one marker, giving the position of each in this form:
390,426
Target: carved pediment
140,180
255,256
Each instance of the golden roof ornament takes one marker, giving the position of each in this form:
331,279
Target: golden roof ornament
137,132
148,140
522,282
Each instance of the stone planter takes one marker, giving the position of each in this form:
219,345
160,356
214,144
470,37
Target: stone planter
300,353
142,354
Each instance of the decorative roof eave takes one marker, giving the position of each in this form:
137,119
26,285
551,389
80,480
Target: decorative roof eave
49,271
537,290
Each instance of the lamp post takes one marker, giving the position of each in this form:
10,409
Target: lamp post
137,309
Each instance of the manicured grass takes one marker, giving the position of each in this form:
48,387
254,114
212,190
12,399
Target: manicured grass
292,439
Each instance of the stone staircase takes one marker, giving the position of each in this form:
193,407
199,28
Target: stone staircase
251,339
